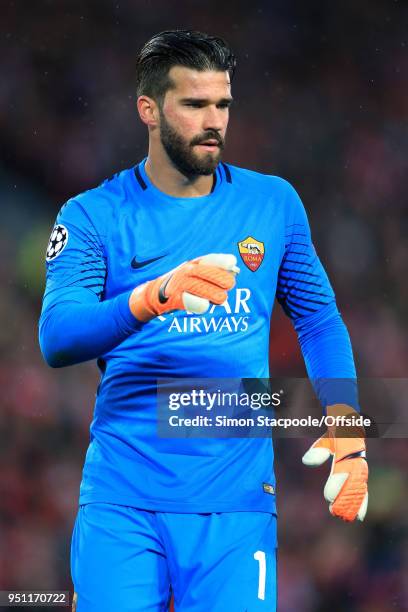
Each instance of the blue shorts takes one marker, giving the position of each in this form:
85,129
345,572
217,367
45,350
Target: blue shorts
130,560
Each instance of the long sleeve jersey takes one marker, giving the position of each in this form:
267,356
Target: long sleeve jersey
125,232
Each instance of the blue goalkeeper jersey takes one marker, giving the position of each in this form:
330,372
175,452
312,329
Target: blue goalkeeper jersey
110,239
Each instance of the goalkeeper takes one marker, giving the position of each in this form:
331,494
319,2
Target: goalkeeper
170,269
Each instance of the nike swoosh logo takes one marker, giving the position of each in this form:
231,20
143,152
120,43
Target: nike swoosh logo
136,265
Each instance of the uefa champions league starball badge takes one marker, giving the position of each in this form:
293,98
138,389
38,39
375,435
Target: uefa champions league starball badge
57,243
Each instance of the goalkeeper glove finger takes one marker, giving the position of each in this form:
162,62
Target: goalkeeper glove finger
191,286
346,488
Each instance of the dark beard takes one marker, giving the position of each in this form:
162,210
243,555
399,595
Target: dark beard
181,153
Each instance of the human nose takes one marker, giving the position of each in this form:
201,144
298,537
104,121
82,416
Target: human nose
214,118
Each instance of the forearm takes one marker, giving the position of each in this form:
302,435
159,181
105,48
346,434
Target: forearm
328,356
73,331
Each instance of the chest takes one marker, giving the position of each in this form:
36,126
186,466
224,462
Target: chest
147,241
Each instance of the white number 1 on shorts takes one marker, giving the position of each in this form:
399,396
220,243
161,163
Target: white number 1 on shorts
260,556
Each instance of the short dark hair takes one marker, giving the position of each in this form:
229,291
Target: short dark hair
187,48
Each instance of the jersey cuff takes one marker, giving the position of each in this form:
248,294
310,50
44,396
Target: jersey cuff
126,320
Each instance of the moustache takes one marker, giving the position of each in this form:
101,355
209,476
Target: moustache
208,136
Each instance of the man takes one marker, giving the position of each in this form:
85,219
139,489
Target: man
142,274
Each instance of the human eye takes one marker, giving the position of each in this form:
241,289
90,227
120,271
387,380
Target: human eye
224,104
193,104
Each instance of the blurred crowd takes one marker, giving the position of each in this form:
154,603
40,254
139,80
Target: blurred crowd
321,96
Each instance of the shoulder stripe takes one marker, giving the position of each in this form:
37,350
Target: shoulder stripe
298,280
300,263
286,289
296,272
294,299
291,310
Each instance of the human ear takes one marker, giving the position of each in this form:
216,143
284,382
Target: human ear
148,111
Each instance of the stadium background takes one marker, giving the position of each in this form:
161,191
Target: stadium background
321,99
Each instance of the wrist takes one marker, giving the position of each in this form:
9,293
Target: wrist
348,437
139,304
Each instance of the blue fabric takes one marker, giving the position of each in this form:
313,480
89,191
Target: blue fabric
328,355
126,559
72,332
85,315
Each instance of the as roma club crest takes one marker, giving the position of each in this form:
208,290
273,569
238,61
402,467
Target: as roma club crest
252,252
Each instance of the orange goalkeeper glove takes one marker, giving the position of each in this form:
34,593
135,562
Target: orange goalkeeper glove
191,286
346,487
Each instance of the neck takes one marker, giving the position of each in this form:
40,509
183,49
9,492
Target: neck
168,179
